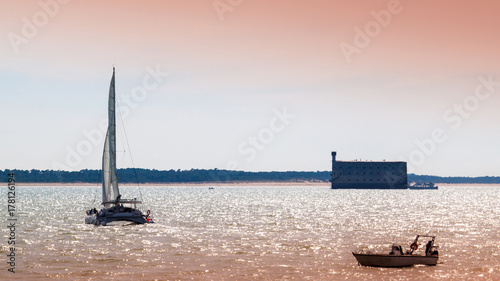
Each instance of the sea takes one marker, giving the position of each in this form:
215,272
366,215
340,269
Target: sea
243,232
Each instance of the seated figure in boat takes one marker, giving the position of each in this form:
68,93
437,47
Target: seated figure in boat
396,250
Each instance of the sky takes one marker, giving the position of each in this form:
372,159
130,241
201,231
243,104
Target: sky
252,85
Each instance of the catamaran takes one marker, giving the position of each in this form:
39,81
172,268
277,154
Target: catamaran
114,207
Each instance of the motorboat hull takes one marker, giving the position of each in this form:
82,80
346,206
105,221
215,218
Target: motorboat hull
384,260
423,186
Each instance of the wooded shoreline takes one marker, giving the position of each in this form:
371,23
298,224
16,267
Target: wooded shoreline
209,177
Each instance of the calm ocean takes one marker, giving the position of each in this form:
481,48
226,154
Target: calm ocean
253,233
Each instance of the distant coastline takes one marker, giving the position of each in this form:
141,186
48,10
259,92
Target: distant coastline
201,184
209,177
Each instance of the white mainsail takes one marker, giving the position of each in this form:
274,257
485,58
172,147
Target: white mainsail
109,178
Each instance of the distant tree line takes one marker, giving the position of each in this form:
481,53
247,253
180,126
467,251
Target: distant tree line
157,176
200,175
437,179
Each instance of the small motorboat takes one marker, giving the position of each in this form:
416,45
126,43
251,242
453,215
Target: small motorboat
422,186
398,258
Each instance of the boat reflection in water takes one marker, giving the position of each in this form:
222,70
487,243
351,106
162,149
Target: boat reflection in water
398,258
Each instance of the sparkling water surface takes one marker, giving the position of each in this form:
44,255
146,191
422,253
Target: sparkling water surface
254,233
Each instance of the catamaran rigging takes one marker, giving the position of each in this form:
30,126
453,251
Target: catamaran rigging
114,207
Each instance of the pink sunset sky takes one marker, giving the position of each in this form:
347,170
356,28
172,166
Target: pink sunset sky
420,83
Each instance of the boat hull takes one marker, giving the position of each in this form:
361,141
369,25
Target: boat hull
113,214
378,260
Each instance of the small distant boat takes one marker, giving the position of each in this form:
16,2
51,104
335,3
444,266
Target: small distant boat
115,208
211,188
422,185
398,258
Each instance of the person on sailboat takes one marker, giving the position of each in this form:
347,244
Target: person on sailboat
117,202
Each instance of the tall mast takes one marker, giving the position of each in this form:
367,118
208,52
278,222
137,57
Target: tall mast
112,136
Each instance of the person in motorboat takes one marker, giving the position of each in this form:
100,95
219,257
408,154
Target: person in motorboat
430,249
396,250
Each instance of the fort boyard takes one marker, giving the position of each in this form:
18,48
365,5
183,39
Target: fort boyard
368,174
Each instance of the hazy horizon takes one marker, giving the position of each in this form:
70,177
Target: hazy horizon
252,85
